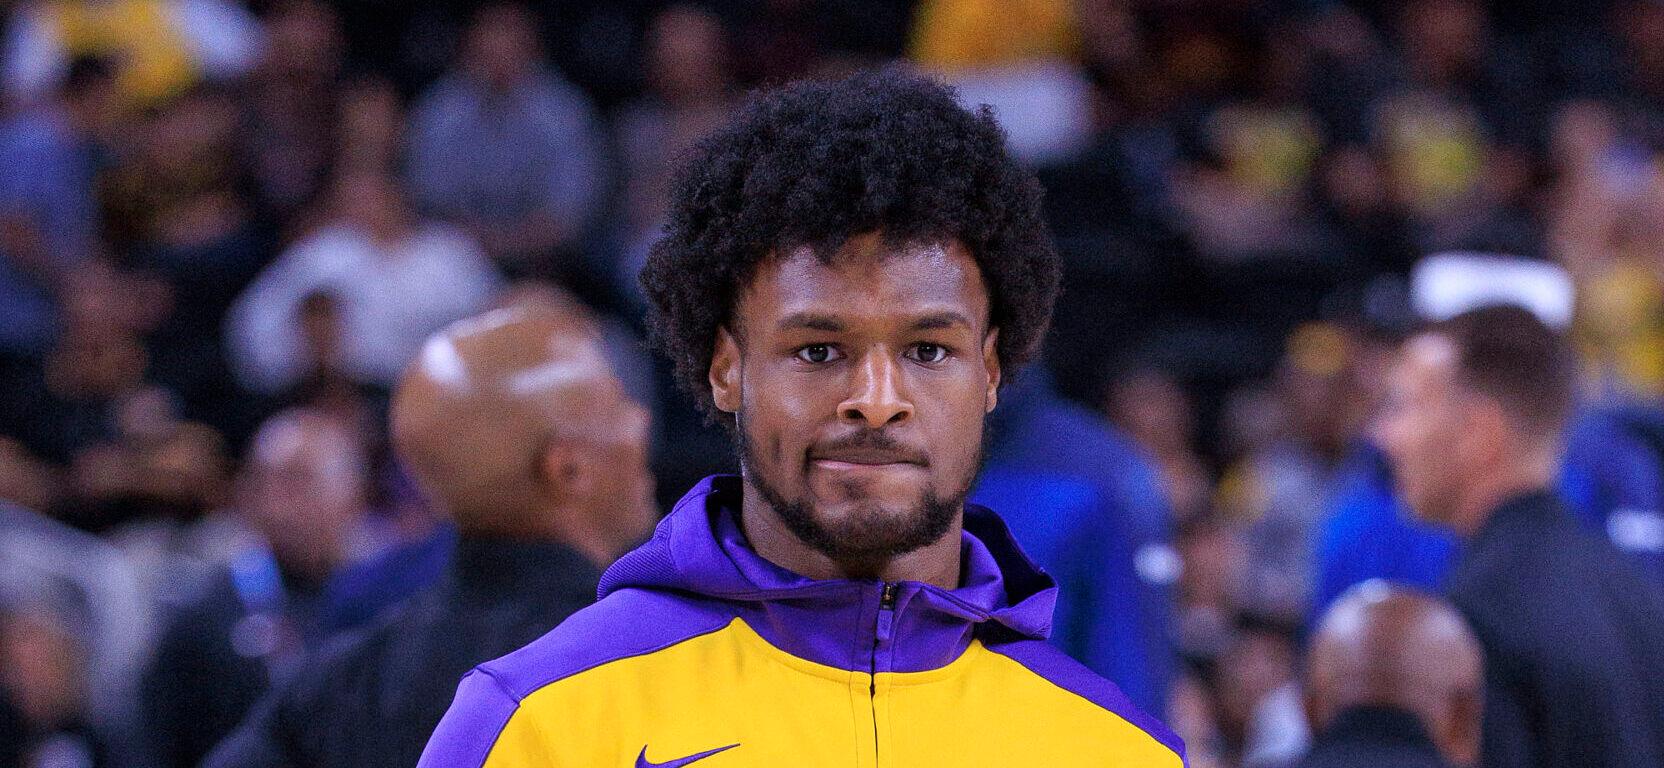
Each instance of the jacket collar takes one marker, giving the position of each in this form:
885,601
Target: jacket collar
499,565
1535,511
699,550
1379,727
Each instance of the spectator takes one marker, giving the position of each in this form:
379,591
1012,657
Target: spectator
1091,511
1155,411
163,46
1281,489
25,479
58,406
290,108
690,94
43,669
471,415
1211,551
52,152
1573,631
1259,700
1016,57
178,220
75,626
156,468
251,620
507,150
1394,679
392,278
1608,472
370,132
364,589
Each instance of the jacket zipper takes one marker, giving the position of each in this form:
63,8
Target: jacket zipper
886,618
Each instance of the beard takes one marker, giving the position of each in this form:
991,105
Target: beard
868,531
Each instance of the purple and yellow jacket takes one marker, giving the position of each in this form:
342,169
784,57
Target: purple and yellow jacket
700,651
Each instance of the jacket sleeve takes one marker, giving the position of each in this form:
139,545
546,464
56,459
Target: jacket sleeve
471,727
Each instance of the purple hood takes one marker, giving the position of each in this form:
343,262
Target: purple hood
699,552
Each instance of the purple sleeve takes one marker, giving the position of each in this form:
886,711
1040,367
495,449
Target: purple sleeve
470,728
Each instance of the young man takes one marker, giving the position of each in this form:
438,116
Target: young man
1572,629
848,270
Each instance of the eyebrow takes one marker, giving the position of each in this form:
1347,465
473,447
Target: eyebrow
939,320
811,321
829,324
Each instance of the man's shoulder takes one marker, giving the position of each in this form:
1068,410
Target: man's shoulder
1073,678
1524,567
625,624
1566,596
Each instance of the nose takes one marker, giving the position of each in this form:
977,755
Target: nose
877,396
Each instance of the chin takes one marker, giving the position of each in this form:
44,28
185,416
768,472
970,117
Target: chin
867,514
1429,514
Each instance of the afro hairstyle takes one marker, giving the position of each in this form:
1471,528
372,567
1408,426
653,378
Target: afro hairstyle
815,163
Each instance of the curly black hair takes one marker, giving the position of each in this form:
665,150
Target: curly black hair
817,162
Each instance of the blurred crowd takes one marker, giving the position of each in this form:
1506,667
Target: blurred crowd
226,227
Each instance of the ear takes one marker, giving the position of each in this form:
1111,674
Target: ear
991,364
1489,429
561,471
1308,702
725,372
1461,731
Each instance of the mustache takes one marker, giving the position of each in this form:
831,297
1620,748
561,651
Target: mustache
868,447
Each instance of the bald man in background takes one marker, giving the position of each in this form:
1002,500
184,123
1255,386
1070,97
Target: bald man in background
515,425
1394,678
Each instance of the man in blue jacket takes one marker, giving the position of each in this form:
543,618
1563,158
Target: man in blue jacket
1089,508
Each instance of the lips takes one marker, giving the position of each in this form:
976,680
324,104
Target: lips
859,456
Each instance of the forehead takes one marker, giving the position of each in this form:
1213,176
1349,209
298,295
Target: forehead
1427,361
867,281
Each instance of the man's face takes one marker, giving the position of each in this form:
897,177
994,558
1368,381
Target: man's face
860,389
306,492
1421,427
502,45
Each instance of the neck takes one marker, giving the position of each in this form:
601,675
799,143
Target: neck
935,563
552,524
1490,489
306,574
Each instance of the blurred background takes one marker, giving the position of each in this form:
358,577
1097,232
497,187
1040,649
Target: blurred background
225,227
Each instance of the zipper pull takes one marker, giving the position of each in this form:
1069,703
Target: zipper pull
886,610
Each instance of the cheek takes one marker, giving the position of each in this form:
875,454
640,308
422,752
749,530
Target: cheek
780,416
953,414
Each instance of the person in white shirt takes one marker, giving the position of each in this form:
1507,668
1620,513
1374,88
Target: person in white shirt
394,279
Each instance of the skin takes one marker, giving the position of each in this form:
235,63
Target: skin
499,45
515,424
303,489
1387,646
860,388
1456,452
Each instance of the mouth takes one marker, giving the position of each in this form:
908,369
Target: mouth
864,459
832,465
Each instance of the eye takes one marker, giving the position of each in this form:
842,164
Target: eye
817,353
929,353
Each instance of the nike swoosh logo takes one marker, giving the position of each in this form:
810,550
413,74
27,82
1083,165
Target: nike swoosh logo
643,762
